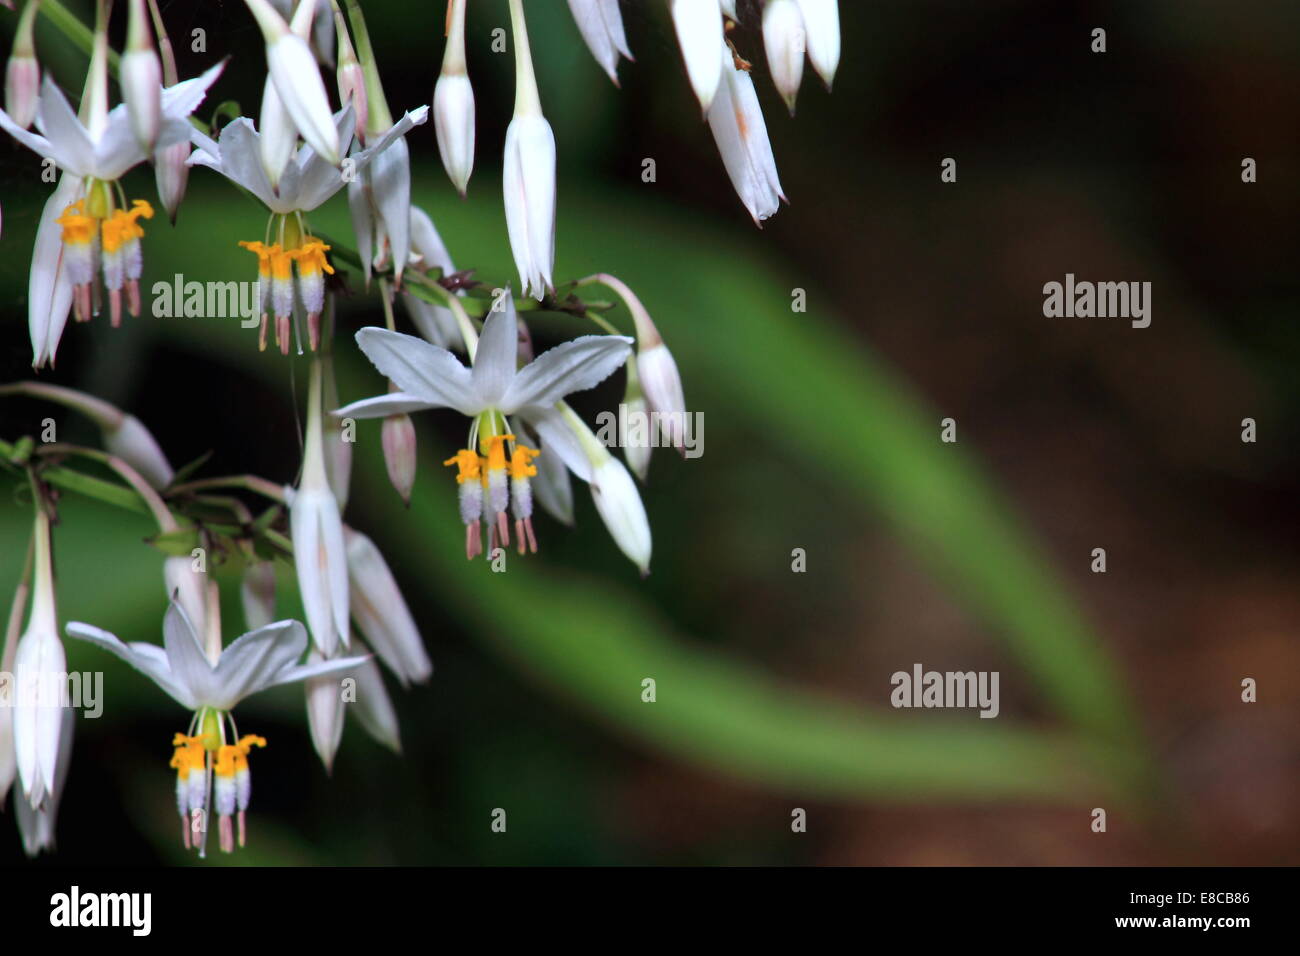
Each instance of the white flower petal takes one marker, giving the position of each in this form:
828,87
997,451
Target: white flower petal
381,612
257,660
70,144
298,81
497,356
188,665
373,707
39,665
822,20
421,370
558,440
320,558
381,406
620,506
149,659
572,367
601,26
736,120
49,290
699,33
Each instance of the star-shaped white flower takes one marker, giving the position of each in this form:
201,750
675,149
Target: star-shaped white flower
308,179
266,657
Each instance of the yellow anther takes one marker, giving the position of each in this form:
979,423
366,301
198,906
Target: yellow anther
263,253
311,257
78,228
188,755
468,462
521,465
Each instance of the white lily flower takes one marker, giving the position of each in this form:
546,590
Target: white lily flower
453,103
528,173
435,322
319,551
381,612
493,389
741,134
141,76
40,673
699,32
82,229
211,683
297,79
822,21
783,39
309,180
601,25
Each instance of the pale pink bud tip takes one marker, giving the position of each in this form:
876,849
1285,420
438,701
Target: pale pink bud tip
399,443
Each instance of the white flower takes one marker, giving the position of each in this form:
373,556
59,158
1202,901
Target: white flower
319,552
453,104
601,25
297,80
381,612
699,33
211,684
431,377
261,659
308,180
738,127
67,252
783,39
822,21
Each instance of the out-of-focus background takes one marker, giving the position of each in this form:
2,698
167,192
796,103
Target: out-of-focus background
924,301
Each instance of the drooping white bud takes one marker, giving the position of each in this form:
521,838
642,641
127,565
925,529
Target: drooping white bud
23,72
141,78
699,33
453,104
297,79
821,20
783,39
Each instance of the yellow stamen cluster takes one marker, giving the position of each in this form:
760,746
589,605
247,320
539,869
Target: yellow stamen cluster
275,273
483,477
232,758
116,253
123,226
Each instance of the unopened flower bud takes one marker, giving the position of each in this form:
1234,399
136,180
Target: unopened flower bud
141,76
783,39
171,175
821,20
699,33
398,435
351,78
324,712
297,80
131,441
635,408
23,72
381,612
